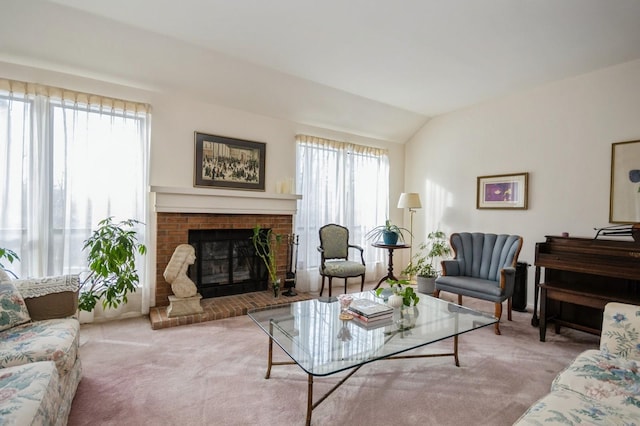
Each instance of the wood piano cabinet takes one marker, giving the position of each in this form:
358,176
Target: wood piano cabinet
582,275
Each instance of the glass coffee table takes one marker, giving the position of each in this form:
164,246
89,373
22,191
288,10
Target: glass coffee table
312,334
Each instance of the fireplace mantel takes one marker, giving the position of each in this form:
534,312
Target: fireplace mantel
170,199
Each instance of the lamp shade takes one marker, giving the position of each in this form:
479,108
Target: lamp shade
409,200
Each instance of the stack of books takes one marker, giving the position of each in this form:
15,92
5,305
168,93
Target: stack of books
370,313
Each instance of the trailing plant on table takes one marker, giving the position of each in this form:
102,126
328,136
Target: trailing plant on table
403,289
112,249
383,231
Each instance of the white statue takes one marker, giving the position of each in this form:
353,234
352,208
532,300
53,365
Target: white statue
176,271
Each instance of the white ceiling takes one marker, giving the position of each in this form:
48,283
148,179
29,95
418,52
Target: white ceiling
379,68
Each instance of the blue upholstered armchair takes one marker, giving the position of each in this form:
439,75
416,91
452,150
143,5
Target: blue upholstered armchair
483,267
334,251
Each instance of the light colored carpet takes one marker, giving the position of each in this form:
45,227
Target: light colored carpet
213,374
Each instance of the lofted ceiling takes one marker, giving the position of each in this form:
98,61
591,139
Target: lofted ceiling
379,68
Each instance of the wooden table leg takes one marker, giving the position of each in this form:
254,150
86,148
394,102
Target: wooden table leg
309,399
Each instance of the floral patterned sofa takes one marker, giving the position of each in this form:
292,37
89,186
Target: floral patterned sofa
39,340
600,386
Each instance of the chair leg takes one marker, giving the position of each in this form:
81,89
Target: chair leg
362,283
322,288
330,279
509,307
436,294
460,299
498,314
345,285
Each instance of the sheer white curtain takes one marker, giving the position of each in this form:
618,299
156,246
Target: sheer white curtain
68,161
340,183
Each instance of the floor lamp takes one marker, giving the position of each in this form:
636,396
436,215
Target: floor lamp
411,201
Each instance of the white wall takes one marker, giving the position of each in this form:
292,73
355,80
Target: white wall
560,133
176,116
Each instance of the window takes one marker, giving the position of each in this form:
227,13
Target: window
69,160
340,183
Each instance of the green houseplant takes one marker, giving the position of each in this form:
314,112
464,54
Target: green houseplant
111,248
389,233
401,288
267,244
10,256
423,265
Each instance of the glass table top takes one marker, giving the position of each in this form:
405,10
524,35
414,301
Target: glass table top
313,335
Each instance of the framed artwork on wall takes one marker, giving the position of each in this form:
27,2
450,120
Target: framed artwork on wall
503,191
624,198
229,163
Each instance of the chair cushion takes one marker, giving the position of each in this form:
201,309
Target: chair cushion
29,394
13,310
343,268
468,286
607,378
50,340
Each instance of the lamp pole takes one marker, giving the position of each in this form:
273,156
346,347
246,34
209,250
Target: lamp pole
411,201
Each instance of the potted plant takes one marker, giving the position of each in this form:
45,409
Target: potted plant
389,233
10,256
400,289
112,248
423,263
266,244
403,297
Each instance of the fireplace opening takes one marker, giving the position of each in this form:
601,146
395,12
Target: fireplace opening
226,262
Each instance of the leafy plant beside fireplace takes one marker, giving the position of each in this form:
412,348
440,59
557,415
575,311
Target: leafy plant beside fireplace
267,244
112,248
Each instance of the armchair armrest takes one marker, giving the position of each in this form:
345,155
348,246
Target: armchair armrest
360,249
450,267
620,330
50,297
508,279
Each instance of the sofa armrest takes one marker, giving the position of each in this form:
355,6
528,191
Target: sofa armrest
621,330
50,297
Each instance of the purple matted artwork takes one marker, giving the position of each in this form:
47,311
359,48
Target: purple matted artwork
504,191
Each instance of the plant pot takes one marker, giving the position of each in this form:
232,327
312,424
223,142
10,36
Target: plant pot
426,285
395,301
390,237
276,289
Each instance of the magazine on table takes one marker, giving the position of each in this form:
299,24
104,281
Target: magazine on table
378,318
369,308
370,325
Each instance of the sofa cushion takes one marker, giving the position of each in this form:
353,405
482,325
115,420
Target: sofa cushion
620,330
50,340
571,408
13,310
29,394
604,377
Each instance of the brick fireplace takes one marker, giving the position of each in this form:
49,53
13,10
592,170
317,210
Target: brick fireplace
173,229
179,210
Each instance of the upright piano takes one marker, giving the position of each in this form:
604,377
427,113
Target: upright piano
581,275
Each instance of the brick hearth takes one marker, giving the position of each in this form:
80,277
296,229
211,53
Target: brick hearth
222,307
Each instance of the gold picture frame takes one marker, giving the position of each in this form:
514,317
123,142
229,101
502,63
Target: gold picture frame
624,195
508,191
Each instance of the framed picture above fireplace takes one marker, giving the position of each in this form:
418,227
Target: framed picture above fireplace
230,163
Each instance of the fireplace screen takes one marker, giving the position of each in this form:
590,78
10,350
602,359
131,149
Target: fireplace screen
226,262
